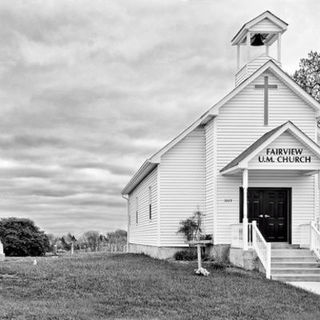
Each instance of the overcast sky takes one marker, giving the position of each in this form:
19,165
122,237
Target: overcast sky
90,89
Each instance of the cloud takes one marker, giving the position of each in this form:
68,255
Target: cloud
89,90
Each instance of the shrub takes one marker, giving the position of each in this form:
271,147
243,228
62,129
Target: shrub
188,228
218,265
186,255
21,237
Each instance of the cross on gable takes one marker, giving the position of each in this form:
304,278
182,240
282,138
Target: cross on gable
266,86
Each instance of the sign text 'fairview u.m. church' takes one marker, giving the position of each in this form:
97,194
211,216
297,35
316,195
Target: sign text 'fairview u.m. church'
284,155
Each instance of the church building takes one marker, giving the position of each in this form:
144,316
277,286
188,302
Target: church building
250,164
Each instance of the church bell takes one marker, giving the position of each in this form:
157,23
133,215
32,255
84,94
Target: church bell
257,40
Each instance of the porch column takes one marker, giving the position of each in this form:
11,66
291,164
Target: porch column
245,208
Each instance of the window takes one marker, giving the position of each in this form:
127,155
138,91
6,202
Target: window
150,203
137,210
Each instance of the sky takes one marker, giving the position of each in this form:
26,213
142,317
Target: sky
89,89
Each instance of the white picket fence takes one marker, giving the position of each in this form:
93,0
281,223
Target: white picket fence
114,248
111,248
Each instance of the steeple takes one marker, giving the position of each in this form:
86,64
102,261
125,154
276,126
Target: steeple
260,32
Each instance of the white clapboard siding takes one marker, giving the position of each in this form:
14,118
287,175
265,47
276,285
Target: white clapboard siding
286,140
182,183
242,74
145,231
210,179
239,124
248,69
302,199
265,25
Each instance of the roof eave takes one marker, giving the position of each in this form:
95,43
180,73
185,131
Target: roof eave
144,170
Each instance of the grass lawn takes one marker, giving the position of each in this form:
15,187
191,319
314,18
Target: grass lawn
101,286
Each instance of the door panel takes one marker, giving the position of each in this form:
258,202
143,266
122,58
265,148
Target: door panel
271,209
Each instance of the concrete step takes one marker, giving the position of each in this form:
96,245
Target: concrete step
294,264
284,245
299,271
291,253
296,277
281,259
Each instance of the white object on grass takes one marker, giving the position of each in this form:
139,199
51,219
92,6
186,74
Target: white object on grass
202,272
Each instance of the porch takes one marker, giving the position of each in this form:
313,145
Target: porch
280,261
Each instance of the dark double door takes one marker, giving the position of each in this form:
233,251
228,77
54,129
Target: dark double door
271,208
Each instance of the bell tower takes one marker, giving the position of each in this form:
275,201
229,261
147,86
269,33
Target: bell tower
259,33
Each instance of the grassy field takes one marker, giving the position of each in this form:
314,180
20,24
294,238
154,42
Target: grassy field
100,286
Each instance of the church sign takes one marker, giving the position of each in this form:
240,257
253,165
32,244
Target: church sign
284,155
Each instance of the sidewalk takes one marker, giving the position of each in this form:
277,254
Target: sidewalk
309,286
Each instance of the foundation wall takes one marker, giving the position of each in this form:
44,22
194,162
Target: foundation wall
245,259
218,252
155,252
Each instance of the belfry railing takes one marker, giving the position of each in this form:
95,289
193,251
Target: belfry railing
262,248
315,239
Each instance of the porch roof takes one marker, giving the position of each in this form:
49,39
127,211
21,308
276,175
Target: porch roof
241,161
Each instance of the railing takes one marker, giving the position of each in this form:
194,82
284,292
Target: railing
109,247
304,235
315,239
262,248
237,235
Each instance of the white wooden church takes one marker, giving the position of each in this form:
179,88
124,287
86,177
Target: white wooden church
250,163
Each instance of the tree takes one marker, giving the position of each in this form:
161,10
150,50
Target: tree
92,239
21,237
67,241
53,240
117,237
308,74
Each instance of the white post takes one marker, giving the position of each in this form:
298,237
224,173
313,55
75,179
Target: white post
311,237
316,197
267,49
72,248
254,235
1,252
245,208
279,47
248,46
199,255
238,57
268,269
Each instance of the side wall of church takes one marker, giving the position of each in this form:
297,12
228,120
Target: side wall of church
182,173
142,229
